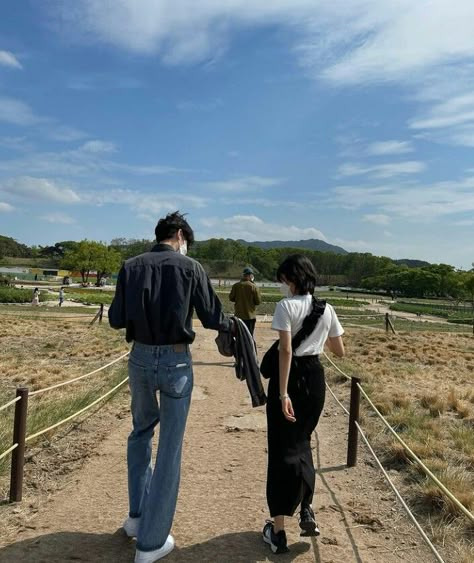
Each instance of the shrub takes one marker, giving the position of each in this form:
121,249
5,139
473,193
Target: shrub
14,295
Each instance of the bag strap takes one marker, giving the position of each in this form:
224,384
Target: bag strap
309,322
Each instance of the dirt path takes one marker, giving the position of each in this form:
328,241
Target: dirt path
222,507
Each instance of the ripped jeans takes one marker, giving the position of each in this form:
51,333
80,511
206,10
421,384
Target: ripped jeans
153,492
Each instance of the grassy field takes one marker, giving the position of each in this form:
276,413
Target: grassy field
39,352
421,379
444,312
423,384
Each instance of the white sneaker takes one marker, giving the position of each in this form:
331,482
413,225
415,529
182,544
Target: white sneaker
152,556
130,527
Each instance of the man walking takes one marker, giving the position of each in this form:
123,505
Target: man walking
246,296
155,297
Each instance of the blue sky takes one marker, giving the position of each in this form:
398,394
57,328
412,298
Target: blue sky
346,120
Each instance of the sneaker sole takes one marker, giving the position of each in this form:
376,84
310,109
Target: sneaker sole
309,529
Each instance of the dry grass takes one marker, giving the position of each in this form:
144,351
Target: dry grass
423,384
37,353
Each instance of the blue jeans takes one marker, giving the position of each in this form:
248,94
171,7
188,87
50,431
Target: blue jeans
153,493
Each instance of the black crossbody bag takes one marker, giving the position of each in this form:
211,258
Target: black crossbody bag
270,363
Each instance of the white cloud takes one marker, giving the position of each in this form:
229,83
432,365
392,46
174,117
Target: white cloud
67,134
97,147
38,189
376,218
347,40
5,207
427,45
388,170
8,59
17,112
251,228
244,183
60,218
383,148
415,201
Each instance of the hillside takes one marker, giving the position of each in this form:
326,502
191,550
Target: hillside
309,244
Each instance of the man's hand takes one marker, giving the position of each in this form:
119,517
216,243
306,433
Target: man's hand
287,408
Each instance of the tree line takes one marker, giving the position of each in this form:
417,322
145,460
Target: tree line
221,257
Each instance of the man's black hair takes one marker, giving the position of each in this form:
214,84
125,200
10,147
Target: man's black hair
168,226
299,269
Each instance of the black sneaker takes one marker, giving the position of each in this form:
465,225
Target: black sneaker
277,542
308,523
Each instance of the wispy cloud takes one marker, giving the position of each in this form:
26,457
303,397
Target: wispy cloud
385,148
38,189
376,218
8,59
389,170
251,228
98,147
66,134
58,218
6,207
17,112
244,183
416,201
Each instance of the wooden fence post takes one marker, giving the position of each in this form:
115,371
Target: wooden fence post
101,312
386,322
353,436
18,455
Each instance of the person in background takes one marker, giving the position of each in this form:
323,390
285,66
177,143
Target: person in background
61,296
36,294
296,396
246,296
156,295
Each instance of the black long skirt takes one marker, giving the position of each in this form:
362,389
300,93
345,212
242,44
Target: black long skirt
291,474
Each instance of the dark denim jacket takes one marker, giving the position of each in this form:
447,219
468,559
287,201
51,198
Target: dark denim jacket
156,295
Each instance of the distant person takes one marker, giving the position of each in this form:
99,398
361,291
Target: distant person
296,394
61,296
36,294
36,277
246,296
155,297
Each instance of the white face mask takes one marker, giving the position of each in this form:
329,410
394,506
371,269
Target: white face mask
183,248
285,290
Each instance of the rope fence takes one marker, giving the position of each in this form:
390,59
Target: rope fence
400,498
72,416
415,458
17,449
9,451
57,385
10,403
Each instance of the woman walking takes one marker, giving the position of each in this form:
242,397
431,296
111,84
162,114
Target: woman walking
296,395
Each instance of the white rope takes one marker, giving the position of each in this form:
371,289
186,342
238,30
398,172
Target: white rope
404,504
337,400
433,477
8,451
28,438
78,378
9,404
336,367
446,491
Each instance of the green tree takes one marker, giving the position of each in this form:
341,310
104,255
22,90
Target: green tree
92,256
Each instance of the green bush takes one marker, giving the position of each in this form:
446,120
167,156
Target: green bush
91,297
13,295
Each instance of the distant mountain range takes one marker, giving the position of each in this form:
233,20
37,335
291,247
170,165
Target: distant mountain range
310,244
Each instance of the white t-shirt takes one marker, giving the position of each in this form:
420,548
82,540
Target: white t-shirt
289,315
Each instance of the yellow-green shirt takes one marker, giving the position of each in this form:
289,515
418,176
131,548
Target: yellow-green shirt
246,296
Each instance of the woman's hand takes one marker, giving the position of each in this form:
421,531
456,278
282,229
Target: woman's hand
287,408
